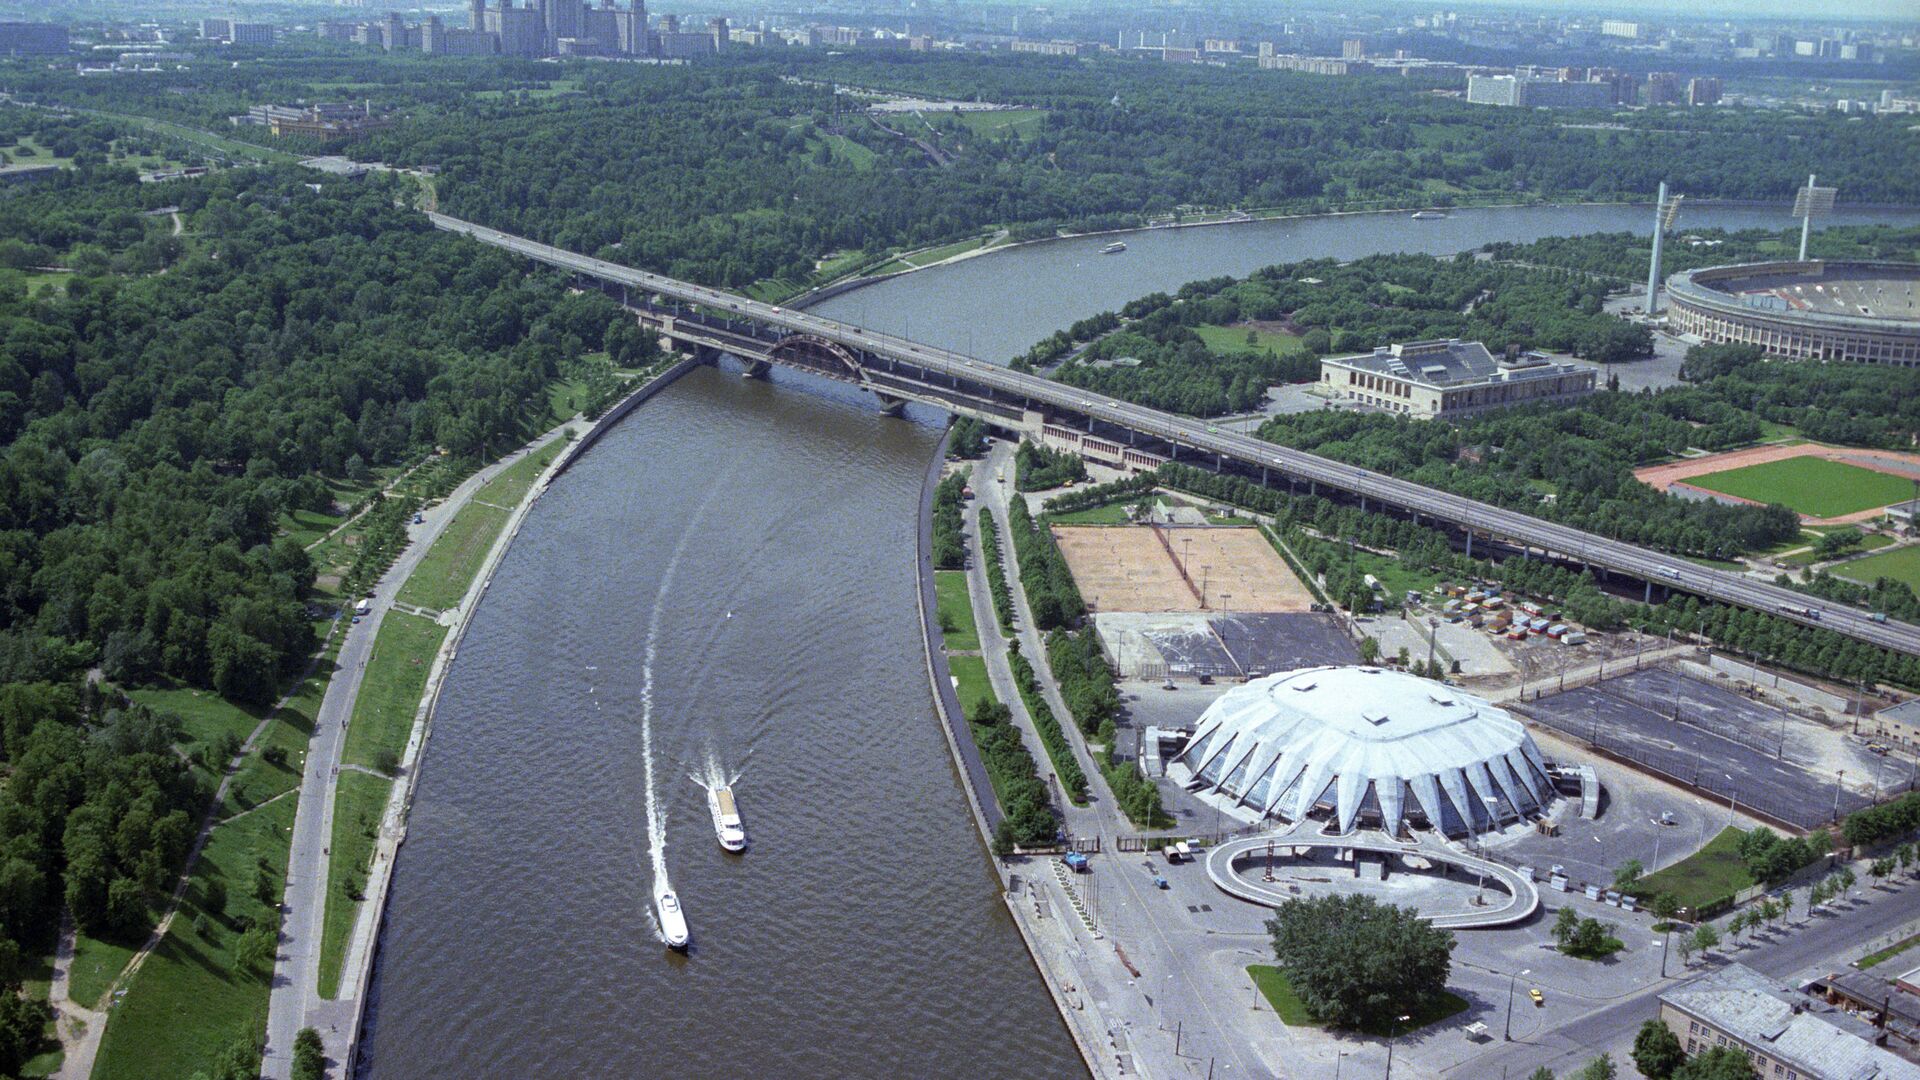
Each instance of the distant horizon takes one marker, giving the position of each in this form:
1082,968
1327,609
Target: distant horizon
1894,11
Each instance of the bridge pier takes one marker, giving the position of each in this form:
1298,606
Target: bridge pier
756,369
1648,597
706,354
890,405
1469,543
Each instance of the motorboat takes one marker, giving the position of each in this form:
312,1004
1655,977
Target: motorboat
1114,248
673,921
726,818
1429,215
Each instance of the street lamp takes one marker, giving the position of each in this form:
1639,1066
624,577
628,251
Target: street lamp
1397,1021
1733,799
1512,978
1836,793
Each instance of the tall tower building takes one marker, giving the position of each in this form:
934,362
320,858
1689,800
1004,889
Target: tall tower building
477,15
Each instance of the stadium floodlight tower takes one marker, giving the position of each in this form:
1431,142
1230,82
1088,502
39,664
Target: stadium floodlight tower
1808,203
1665,210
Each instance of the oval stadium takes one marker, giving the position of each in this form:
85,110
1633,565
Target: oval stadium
1864,312
1365,747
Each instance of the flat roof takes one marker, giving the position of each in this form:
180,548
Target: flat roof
1452,363
1810,1035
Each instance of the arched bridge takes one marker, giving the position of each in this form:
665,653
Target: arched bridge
899,370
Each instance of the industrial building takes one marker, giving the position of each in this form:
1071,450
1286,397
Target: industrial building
1365,747
1532,93
1865,312
1449,379
1784,1034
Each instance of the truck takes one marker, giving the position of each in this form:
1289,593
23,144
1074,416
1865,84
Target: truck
364,607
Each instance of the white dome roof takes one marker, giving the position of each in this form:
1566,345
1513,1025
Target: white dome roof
1361,740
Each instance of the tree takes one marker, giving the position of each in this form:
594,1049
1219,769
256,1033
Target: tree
1880,868
1628,873
1565,924
253,952
1664,906
1353,960
1687,947
1705,937
1590,939
1369,649
309,1056
1600,1068
1716,1063
1657,1051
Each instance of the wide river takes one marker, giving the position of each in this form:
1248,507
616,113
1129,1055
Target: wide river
742,555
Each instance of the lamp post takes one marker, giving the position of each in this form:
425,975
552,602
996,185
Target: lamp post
1397,1021
1836,793
1512,978
1733,799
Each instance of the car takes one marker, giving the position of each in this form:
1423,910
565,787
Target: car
1539,999
356,620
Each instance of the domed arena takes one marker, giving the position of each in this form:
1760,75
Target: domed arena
1365,747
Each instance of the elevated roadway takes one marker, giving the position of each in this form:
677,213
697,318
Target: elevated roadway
938,376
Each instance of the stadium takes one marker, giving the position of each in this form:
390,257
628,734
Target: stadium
1865,312
1366,747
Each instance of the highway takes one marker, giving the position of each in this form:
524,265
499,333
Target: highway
1509,525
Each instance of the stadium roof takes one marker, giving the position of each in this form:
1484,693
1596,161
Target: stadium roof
1365,745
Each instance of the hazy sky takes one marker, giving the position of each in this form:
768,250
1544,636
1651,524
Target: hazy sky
1798,10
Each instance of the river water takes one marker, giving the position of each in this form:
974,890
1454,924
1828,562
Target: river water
996,306
861,936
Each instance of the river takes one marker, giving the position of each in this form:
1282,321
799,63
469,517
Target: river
861,935
995,306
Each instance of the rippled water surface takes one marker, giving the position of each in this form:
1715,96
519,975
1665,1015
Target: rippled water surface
861,935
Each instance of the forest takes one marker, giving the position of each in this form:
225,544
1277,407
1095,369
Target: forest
755,171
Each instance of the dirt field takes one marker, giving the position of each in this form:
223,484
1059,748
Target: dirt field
1663,477
1139,569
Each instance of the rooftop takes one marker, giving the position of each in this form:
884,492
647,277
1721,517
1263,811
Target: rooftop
1451,363
1816,1038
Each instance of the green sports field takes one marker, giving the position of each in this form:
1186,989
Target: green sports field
1813,486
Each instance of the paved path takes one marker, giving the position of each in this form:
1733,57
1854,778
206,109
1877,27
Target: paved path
77,1026
296,1001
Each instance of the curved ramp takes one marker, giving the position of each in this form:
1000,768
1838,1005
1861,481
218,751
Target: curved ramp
1523,897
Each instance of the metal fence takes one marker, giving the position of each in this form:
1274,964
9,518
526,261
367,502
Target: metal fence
1685,712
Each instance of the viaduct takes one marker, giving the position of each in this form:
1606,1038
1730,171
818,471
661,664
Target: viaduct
897,370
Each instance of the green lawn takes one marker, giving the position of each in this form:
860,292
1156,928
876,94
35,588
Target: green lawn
565,397
1022,122
390,694
1114,513
357,808
204,715
96,964
853,153
1901,564
1702,878
1293,1012
443,575
1868,542
956,610
187,1003
1813,486
307,527
259,779
1874,959
970,673
1231,339
508,488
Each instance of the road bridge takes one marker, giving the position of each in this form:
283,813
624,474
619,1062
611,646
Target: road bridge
896,369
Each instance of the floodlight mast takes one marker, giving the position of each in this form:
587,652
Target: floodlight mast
1810,202
1664,212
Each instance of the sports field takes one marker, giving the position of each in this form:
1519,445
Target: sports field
1902,564
1817,487
1151,568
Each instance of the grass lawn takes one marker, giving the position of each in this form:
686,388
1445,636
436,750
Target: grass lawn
204,715
1868,542
259,779
1902,564
443,575
1293,1012
96,964
187,1003
1022,122
1810,485
956,610
508,488
1232,339
356,822
853,153
1873,959
390,693
566,397
1707,875
970,678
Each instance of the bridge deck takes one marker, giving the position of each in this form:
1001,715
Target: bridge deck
991,381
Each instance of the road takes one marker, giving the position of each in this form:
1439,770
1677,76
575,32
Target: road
1262,457
296,1001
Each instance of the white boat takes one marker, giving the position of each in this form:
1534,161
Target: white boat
1114,248
726,819
1428,215
673,921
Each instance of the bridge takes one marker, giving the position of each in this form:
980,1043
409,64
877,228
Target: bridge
897,370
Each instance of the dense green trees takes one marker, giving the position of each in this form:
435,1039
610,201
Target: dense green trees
1657,1050
1038,468
1354,961
1044,575
949,545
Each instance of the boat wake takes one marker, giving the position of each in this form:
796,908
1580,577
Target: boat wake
715,775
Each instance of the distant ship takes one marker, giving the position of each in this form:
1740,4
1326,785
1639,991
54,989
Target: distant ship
673,921
1428,215
1114,248
726,819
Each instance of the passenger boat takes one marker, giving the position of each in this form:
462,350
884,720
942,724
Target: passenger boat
1428,215
1114,248
673,921
726,819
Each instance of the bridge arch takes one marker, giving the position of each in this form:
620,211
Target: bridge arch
820,355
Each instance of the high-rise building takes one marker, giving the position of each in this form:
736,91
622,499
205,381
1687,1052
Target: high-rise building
1619,28
1703,91
216,29
1664,88
251,33
717,27
1353,49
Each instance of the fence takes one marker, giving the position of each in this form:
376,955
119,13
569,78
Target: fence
1674,708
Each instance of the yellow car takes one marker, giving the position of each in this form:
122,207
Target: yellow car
1539,999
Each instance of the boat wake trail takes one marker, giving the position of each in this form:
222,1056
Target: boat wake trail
715,774
657,813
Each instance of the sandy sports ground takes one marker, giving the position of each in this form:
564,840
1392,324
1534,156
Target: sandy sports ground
1137,568
1893,463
